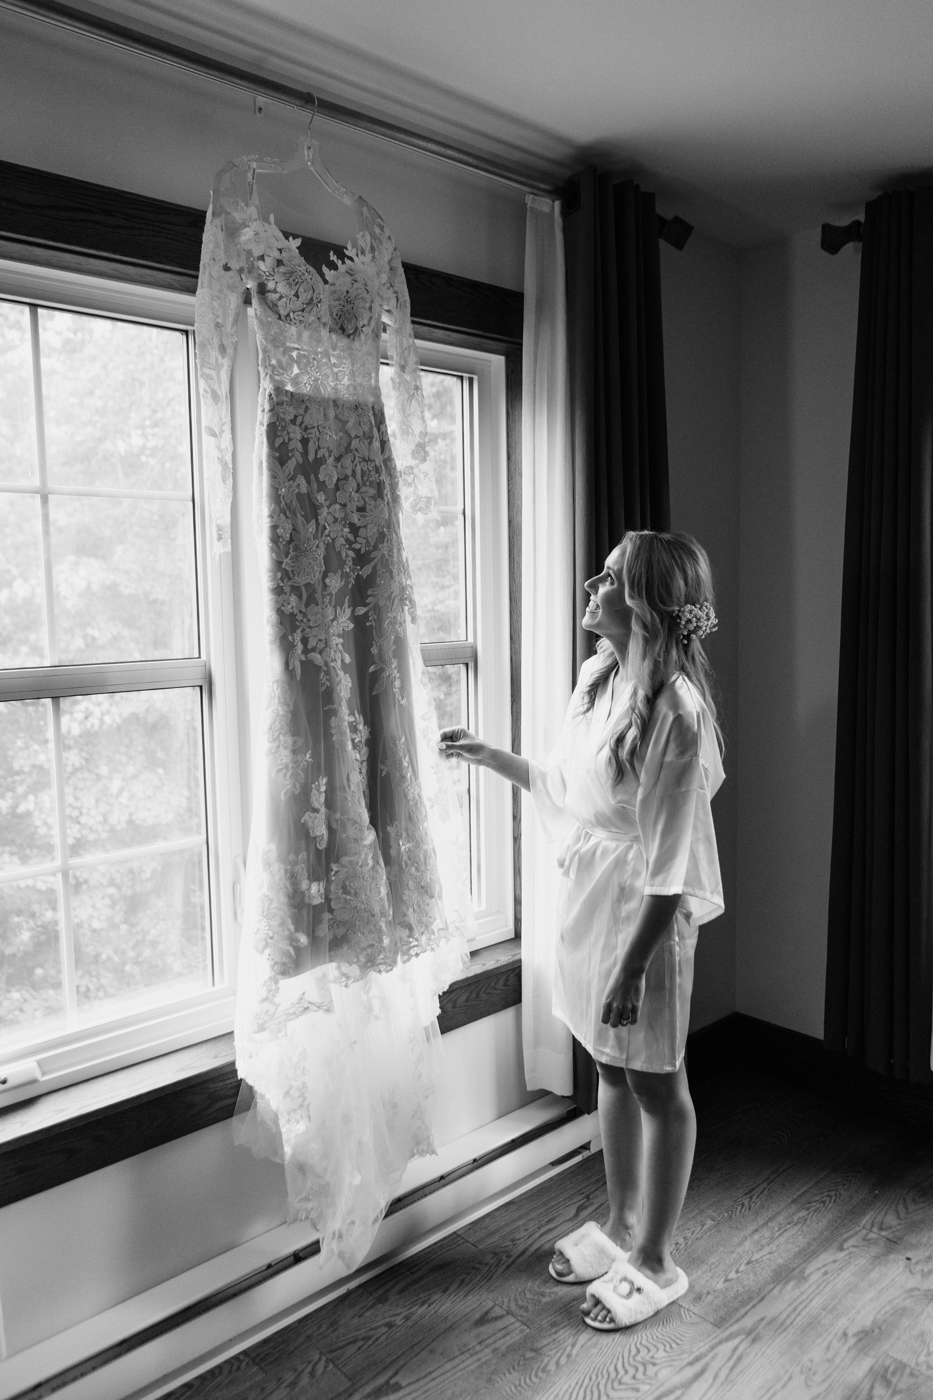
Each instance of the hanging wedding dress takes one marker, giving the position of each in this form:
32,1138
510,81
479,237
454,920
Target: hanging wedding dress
357,902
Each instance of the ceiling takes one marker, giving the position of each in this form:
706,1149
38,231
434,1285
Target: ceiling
750,119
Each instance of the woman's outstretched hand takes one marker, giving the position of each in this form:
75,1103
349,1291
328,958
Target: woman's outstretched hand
460,743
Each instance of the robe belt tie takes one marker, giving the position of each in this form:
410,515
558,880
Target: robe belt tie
570,848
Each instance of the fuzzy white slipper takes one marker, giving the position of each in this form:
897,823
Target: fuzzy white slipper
589,1253
630,1296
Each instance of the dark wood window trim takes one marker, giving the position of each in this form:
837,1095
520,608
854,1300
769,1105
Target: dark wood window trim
59,1136
55,221
82,227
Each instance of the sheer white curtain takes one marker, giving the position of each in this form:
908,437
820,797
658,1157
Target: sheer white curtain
547,619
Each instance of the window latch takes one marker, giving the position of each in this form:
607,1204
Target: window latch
15,1076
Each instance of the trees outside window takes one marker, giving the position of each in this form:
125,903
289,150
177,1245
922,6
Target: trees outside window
123,708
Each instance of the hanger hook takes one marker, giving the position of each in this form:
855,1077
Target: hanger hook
313,115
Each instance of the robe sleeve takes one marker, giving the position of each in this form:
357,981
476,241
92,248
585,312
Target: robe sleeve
217,312
677,780
548,780
416,474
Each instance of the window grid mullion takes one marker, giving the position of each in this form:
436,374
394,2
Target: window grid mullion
66,927
465,475
29,872
155,848
38,398
122,493
102,678
469,486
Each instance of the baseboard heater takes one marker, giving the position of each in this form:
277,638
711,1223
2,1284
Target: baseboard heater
256,1277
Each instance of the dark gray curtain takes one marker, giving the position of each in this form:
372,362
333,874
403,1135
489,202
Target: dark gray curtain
617,400
879,976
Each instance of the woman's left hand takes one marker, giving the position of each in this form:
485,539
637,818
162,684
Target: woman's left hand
625,991
623,998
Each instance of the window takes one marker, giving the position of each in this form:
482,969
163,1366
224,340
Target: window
126,683
459,563
115,834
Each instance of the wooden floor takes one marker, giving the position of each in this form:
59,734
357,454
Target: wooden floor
807,1236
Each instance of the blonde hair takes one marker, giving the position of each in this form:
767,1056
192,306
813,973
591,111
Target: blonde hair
660,572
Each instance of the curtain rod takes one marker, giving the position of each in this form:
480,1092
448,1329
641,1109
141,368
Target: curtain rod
217,70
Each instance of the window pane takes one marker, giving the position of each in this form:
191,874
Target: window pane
30,961
140,931
124,579
434,546
27,815
22,609
17,431
448,687
116,403
133,769
113,933
442,400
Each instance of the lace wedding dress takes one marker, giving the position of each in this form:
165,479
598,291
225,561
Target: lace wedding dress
357,905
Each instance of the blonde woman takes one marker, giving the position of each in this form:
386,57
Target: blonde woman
625,797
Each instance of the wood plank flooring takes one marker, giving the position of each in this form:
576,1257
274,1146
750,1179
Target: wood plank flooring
807,1236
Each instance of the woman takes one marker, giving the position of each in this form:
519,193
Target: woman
626,795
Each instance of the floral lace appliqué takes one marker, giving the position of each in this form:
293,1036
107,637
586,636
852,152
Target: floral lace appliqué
357,903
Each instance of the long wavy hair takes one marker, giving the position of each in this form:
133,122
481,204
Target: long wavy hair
660,572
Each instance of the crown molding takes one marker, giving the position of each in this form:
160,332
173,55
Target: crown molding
275,45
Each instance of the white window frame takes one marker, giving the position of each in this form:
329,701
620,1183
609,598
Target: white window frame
82,1053
486,498
232,629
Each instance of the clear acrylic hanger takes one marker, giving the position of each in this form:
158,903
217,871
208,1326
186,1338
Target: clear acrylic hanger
306,156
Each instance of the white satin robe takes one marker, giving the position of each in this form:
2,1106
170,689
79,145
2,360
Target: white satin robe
616,842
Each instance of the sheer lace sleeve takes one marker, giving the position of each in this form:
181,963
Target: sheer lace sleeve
217,311
416,475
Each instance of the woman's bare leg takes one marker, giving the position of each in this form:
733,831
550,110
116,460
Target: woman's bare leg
669,1135
620,1127
620,1124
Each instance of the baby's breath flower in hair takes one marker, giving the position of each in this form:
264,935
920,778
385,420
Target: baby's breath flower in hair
695,620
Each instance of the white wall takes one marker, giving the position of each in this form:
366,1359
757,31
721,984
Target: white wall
75,107
797,353
700,289
72,1252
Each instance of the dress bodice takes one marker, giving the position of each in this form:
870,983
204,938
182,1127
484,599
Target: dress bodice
319,333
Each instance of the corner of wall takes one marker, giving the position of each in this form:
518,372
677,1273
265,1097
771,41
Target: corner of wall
798,313
701,354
